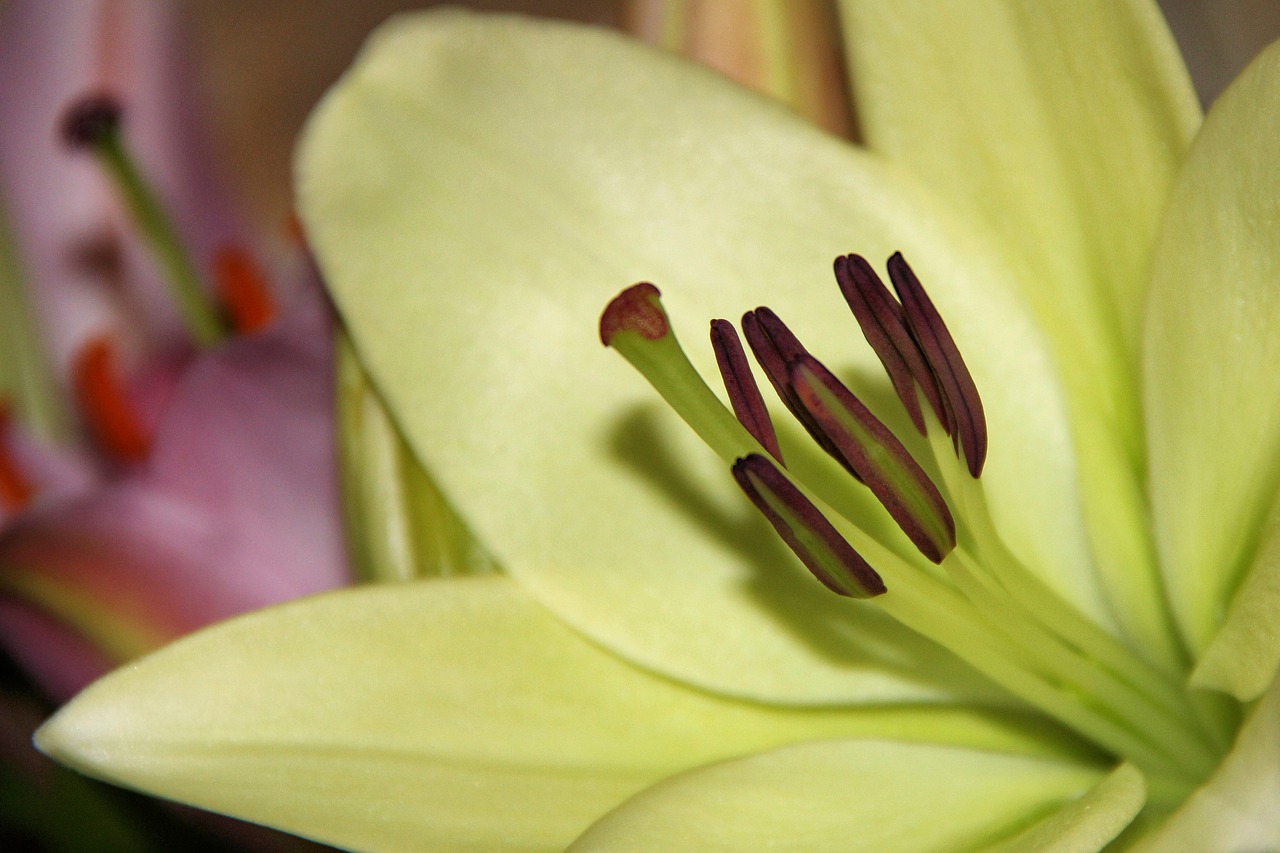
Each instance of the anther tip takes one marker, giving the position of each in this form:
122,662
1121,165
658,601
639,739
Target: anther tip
850,260
635,309
90,119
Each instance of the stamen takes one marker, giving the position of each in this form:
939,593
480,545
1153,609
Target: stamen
806,531
776,348
243,290
884,325
16,488
744,393
939,348
93,124
868,447
102,397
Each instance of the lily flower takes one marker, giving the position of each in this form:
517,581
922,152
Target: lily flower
150,462
1068,640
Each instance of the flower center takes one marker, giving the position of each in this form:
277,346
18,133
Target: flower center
970,593
106,391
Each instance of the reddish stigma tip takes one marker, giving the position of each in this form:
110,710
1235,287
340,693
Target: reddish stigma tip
90,120
635,309
105,404
243,290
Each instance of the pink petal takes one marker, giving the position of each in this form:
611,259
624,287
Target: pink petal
236,509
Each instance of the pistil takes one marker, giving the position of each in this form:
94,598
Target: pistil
93,124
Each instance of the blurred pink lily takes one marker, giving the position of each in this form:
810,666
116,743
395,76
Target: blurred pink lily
191,483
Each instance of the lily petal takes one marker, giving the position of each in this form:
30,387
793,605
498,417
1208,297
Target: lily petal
1057,127
1244,655
1213,405
1085,824
382,718
864,795
1235,811
399,526
235,509
475,200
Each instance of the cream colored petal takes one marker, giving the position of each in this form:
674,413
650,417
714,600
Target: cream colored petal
1213,343
1243,656
855,795
1086,824
437,715
1235,812
478,188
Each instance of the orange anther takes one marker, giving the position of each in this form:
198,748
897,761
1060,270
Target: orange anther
243,290
104,403
15,488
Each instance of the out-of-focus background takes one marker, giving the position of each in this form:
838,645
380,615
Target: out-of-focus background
263,64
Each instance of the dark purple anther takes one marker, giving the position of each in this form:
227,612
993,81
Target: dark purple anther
744,393
939,348
91,120
807,532
884,325
776,349
867,447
